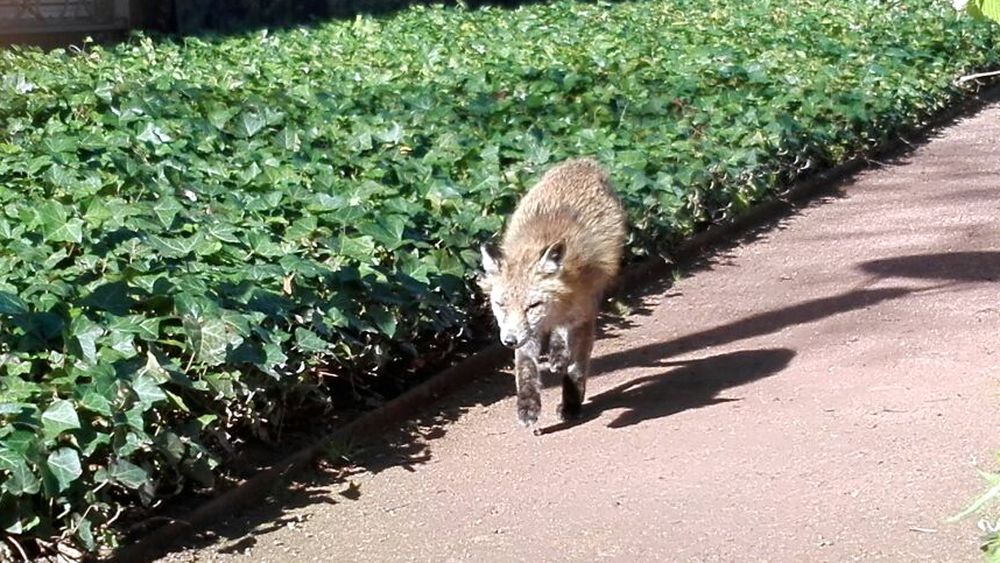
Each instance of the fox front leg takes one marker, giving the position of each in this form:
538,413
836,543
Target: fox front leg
529,397
574,383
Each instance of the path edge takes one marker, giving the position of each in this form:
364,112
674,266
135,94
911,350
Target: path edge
255,489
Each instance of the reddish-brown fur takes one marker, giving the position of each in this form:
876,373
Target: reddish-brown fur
561,250
575,204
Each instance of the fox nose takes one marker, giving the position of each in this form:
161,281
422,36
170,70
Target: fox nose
509,340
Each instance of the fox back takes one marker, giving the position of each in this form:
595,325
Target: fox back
562,248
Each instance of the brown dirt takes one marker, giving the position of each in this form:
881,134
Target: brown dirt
823,391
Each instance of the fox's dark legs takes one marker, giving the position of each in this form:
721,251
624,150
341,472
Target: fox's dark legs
574,362
529,383
559,360
567,353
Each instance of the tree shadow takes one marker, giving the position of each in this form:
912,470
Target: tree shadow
748,327
692,384
648,392
406,447
656,282
972,194
974,266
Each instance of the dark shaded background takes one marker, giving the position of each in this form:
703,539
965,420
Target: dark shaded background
201,17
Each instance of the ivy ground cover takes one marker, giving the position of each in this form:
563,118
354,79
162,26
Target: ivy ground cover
197,235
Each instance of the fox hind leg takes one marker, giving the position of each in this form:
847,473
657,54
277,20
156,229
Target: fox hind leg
574,387
559,357
557,351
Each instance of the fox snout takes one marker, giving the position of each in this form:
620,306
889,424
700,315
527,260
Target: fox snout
515,331
512,339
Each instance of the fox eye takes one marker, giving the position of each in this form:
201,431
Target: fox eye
534,305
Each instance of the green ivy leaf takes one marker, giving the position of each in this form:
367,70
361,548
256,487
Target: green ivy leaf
127,474
219,116
166,209
249,124
21,480
11,304
153,134
56,224
86,334
147,390
85,533
64,463
171,444
289,140
59,175
210,338
175,247
155,369
309,342
145,328
59,417
19,440
386,230
384,320
97,403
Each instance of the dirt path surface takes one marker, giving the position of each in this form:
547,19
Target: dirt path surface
822,392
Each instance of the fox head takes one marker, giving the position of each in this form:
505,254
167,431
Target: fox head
524,291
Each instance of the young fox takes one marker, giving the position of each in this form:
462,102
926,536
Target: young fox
561,250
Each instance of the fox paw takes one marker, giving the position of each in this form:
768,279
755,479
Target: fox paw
527,413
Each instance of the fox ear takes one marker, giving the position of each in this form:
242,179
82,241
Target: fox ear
492,259
552,259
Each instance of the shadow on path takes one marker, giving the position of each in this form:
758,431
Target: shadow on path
747,327
330,482
982,266
691,385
